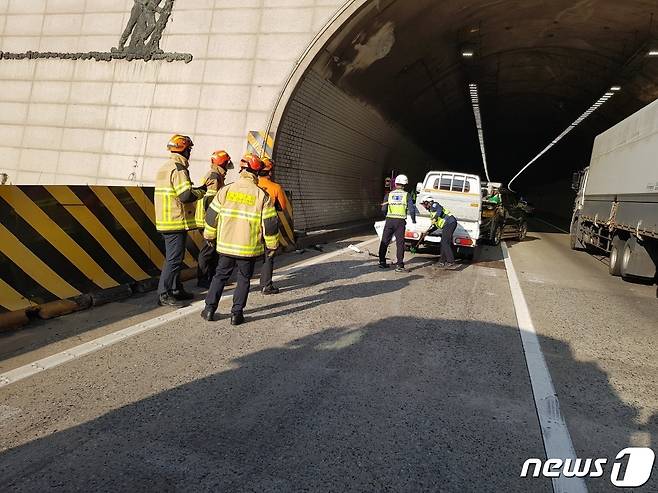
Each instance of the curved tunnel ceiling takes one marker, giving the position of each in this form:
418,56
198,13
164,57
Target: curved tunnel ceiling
539,65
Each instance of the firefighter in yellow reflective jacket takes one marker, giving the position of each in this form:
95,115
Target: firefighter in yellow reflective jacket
443,219
220,163
243,222
175,206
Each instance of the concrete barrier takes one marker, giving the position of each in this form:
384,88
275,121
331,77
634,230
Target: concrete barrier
60,242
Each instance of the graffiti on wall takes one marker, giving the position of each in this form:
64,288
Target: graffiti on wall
140,39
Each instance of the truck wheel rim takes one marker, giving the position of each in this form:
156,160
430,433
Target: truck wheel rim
626,258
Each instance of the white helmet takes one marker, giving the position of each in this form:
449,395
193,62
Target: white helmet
402,180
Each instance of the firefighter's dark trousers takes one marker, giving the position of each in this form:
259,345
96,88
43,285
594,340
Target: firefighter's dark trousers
225,267
266,273
392,227
207,262
174,255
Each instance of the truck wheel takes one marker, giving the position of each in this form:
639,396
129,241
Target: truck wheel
616,253
643,269
574,242
523,231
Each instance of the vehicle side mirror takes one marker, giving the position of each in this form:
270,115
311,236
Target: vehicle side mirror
575,181
419,187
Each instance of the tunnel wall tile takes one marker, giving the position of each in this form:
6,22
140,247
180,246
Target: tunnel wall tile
124,112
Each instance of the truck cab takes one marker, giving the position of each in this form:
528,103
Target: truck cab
459,193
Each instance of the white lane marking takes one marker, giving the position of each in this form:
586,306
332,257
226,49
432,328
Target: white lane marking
551,225
76,352
554,431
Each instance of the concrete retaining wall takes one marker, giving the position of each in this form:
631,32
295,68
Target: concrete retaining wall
87,122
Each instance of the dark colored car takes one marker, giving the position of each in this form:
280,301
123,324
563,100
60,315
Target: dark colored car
509,219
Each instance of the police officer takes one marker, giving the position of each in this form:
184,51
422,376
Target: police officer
280,201
443,219
220,163
397,205
175,199
240,219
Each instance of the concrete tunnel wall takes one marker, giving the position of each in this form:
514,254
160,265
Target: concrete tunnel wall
86,122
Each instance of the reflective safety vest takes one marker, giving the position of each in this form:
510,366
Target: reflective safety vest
397,204
440,221
242,219
214,180
175,197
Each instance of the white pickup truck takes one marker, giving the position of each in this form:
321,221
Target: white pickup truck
461,195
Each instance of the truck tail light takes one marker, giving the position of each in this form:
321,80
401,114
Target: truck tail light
464,242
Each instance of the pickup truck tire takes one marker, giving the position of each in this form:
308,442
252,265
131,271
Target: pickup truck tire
616,256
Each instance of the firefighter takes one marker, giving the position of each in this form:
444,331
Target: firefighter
220,163
443,219
175,208
240,219
397,205
278,197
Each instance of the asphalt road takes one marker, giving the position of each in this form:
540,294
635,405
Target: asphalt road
599,335
352,379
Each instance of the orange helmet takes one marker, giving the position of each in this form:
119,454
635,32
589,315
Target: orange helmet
268,164
220,158
251,162
179,143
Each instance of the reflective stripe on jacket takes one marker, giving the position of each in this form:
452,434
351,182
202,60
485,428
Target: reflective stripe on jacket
397,204
175,198
242,219
214,180
439,218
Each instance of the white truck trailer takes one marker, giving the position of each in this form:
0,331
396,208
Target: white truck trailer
459,193
616,207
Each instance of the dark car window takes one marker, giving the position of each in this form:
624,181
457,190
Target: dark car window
446,182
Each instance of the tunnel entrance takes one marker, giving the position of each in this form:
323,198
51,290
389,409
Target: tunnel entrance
386,86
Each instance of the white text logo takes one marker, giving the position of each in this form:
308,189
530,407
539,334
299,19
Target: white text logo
631,468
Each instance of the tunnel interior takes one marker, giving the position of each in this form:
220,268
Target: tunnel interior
390,90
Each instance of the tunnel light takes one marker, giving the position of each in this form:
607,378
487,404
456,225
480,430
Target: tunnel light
468,53
653,53
600,102
475,103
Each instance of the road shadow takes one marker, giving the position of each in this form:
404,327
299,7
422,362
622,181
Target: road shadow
400,404
41,333
333,294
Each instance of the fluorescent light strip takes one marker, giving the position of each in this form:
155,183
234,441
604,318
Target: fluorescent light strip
475,103
601,101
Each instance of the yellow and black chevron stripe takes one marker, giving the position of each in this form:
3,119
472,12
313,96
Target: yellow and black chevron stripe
260,143
286,226
58,242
